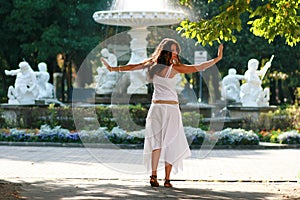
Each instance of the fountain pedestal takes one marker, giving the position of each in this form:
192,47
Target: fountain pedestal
138,45
119,99
139,15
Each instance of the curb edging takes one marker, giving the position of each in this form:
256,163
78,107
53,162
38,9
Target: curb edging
261,145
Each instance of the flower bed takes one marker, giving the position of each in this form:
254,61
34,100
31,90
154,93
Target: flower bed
57,134
45,134
237,137
289,137
278,136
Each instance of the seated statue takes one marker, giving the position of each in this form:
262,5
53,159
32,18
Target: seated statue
231,86
106,80
264,98
100,79
46,89
252,93
25,90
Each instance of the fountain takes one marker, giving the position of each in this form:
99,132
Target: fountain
139,15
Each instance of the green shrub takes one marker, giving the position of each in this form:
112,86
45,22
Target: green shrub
284,118
133,117
193,119
293,112
274,136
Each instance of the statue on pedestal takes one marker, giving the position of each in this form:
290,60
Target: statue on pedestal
252,93
46,89
106,80
231,86
25,90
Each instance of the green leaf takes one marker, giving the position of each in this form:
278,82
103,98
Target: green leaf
233,39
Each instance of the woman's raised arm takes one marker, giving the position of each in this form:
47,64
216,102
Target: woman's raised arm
130,67
186,69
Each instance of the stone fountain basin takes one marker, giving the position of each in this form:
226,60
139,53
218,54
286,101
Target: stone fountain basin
138,18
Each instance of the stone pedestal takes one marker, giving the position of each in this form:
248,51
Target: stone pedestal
144,99
249,112
204,109
19,115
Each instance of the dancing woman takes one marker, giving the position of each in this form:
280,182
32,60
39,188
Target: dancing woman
164,137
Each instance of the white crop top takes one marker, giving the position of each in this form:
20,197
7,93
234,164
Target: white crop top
164,87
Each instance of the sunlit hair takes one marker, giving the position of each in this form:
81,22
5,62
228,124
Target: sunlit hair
161,57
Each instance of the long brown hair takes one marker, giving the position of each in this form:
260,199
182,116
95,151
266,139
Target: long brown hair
161,57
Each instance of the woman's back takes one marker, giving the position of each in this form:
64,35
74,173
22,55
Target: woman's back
164,87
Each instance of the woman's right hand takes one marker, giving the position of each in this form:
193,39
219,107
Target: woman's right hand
105,63
220,51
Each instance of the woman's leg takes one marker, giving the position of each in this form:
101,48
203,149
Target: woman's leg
168,169
154,165
154,161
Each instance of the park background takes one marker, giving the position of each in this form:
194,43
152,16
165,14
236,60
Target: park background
39,31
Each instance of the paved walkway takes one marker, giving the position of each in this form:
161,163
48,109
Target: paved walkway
93,173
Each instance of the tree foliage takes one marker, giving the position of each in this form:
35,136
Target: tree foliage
37,30
282,77
268,19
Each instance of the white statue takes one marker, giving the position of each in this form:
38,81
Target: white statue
231,86
252,93
106,80
100,80
25,90
179,87
264,98
46,89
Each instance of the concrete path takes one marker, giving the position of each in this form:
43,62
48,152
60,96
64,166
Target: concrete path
91,173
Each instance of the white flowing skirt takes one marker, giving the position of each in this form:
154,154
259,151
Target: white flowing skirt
164,130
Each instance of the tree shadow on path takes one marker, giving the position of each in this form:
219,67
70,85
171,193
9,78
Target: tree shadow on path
124,189
9,190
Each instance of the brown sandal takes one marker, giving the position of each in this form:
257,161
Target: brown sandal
153,181
167,183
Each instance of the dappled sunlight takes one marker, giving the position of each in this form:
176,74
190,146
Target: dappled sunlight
127,189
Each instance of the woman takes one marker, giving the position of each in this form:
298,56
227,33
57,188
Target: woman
165,138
